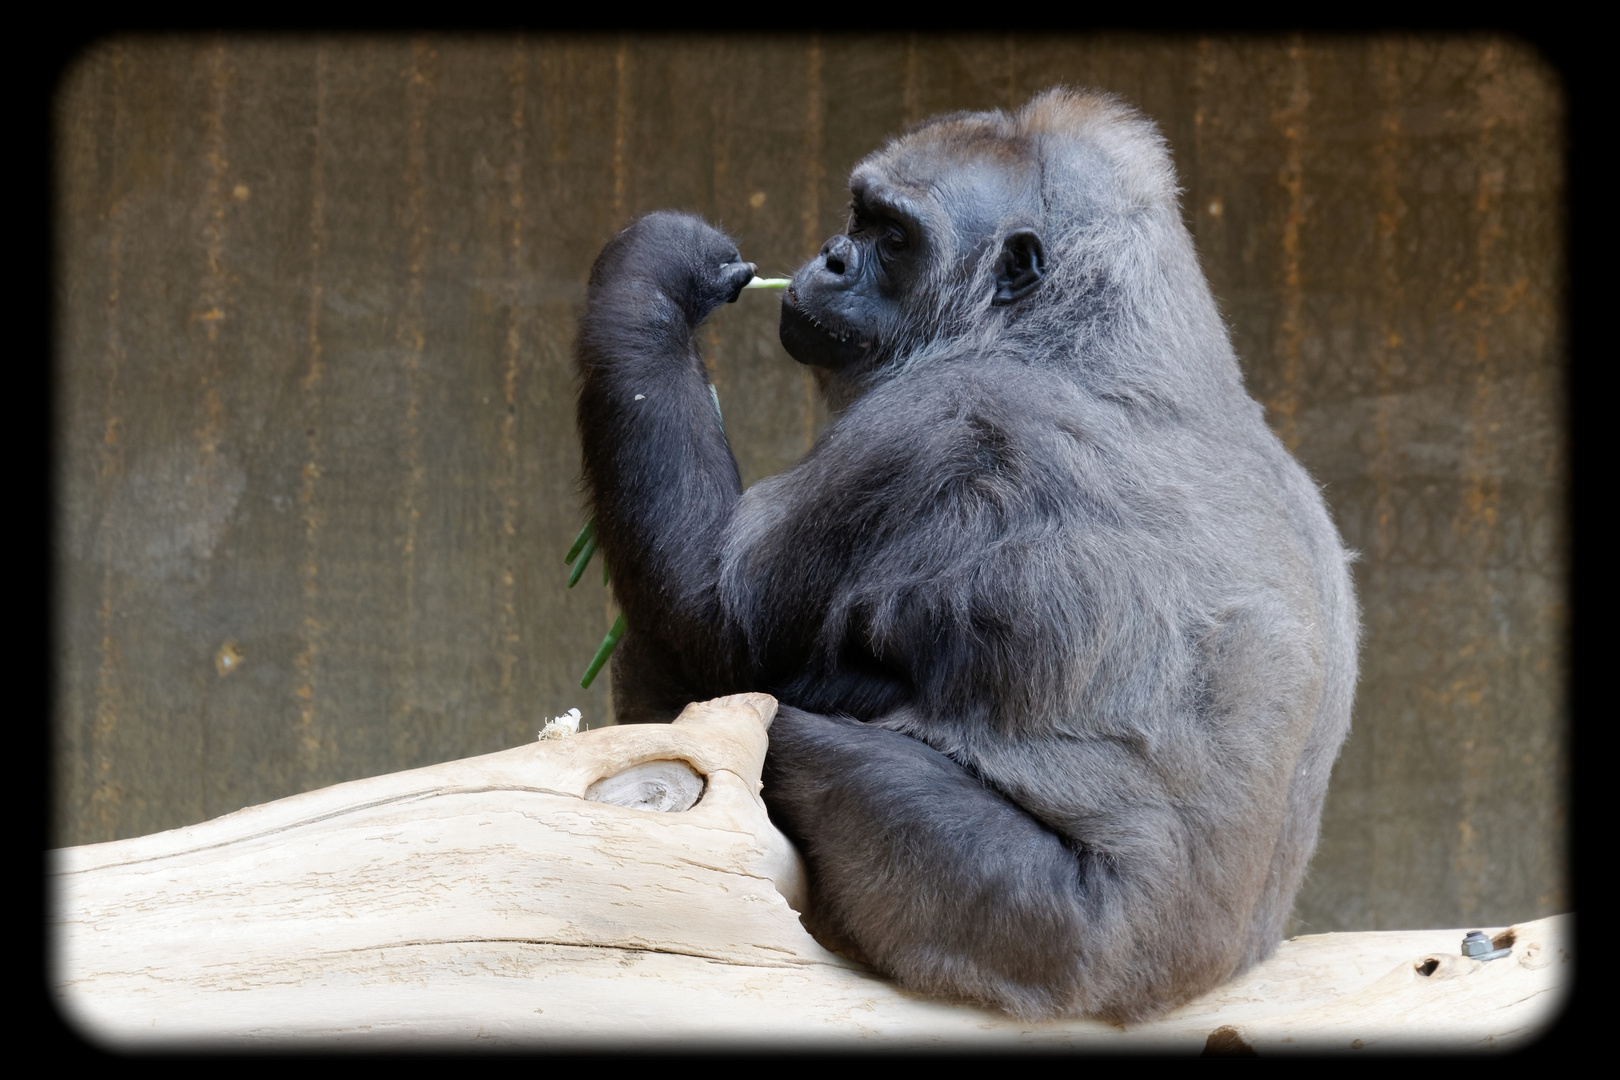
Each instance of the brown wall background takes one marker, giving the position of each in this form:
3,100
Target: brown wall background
315,450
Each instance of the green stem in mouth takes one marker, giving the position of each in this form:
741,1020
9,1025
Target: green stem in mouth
769,283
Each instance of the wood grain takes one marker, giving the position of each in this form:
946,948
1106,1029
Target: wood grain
487,902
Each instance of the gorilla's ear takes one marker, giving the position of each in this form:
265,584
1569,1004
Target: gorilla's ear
1020,267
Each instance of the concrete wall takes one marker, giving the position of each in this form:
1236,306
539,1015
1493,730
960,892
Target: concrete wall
315,452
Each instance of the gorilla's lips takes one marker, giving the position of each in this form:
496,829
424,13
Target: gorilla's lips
821,341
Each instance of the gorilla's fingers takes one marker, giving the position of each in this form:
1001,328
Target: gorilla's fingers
738,274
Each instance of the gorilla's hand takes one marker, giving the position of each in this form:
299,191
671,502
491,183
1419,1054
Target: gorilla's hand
690,263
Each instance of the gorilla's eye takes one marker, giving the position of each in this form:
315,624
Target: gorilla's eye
891,241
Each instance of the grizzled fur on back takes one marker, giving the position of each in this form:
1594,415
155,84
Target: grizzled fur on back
1065,638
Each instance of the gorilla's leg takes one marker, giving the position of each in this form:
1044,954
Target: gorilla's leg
923,869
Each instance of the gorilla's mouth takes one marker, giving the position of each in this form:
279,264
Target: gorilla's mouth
819,340
840,336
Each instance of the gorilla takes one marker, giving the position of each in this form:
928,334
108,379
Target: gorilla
1064,638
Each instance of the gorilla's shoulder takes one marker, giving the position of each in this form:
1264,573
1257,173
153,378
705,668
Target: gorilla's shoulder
980,399
952,389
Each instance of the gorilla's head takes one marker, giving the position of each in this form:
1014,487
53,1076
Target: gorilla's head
974,225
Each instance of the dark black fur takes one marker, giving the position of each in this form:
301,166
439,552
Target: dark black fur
1064,638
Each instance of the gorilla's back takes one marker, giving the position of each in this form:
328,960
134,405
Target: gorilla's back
1161,605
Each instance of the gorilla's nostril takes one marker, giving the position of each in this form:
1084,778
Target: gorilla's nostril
837,255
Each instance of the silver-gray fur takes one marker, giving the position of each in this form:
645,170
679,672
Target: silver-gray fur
1064,636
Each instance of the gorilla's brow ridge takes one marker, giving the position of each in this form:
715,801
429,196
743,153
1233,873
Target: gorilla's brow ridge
873,199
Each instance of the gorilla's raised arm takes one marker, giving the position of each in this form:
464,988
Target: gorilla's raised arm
659,475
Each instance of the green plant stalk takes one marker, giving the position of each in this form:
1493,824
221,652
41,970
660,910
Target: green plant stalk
603,651
586,535
769,283
584,559
583,548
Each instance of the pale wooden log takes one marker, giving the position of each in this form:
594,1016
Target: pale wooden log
489,901
1437,996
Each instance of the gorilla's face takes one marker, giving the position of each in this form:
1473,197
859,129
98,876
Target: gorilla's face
922,222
